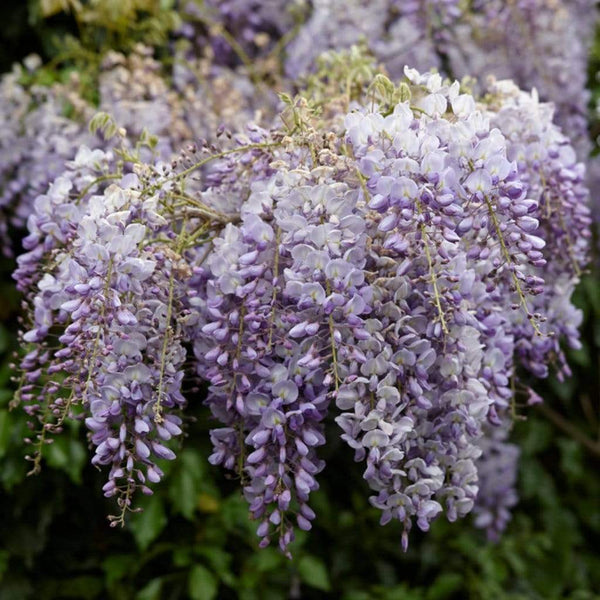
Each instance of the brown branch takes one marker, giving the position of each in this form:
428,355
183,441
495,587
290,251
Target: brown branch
570,429
588,410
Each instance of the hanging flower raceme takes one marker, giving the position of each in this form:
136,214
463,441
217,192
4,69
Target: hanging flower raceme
403,277
497,473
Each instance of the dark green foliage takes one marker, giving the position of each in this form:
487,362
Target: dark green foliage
194,539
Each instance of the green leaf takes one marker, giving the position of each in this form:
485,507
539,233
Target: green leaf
151,591
4,339
146,527
182,557
105,124
400,592
591,286
285,98
444,586
116,566
80,588
538,436
4,559
185,483
314,573
13,471
182,492
51,7
234,512
267,560
357,595
202,584
4,431
571,458
220,563
68,455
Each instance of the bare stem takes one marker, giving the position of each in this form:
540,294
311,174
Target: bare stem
274,295
157,407
96,181
509,260
570,429
221,155
434,282
202,209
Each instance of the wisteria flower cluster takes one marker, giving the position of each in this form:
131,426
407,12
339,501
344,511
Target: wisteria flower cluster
38,139
120,344
539,44
46,125
386,264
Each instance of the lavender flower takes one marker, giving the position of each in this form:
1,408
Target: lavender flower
97,270
497,470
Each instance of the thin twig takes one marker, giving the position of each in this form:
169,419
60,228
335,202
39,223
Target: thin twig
570,429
